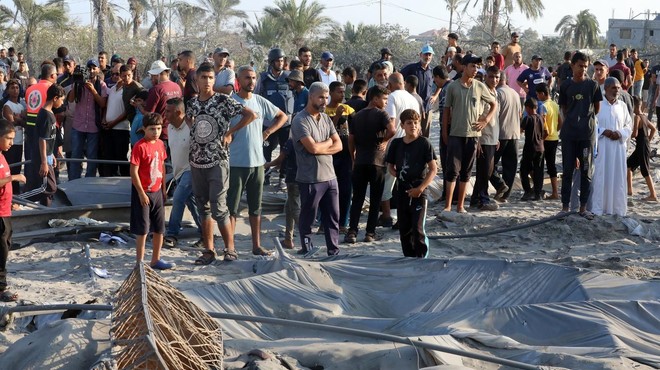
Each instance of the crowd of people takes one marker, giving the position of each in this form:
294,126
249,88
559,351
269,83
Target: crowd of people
339,133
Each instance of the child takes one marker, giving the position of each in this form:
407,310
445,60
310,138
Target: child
41,174
287,162
532,156
552,124
138,102
7,133
411,159
643,132
148,192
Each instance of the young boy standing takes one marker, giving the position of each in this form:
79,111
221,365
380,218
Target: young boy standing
532,157
7,133
411,159
148,192
553,122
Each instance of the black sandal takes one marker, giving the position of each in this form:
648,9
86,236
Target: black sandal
207,257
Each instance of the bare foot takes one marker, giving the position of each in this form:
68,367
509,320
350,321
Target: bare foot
650,199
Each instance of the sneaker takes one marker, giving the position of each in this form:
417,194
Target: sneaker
385,222
489,207
162,265
351,237
501,191
396,225
370,237
343,230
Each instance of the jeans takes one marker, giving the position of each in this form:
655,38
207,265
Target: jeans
183,196
84,144
291,208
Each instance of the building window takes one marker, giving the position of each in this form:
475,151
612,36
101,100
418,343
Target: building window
651,33
625,34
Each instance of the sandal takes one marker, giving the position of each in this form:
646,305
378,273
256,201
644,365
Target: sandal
8,296
207,257
170,241
230,255
261,252
587,215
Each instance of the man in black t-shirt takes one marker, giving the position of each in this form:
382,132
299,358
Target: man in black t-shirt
310,74
369,132
579,99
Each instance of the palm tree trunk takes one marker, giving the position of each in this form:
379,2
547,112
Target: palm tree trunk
101,14
451,18
136,25
495,18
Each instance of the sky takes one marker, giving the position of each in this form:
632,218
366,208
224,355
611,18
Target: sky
423,15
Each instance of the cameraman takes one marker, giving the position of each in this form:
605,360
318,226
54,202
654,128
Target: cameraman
90,94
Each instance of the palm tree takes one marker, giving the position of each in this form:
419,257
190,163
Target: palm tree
452,6
29,16
157,10
105,13
221,10
188,14
265,32
582,30
138,10
532,9
124,26
299,22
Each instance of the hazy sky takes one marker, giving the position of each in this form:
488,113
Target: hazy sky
422,15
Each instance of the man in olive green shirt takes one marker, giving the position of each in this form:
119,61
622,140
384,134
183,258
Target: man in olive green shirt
462,122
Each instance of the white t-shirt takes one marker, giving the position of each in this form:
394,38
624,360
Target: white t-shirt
226,77
329,77
179,143
115,108
397,102
17,108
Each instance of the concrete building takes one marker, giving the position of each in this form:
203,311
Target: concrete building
635,33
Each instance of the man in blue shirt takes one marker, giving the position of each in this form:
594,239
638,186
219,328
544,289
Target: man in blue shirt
533,76
246,156
300,92
424,73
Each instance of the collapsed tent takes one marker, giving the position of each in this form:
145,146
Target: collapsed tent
536,313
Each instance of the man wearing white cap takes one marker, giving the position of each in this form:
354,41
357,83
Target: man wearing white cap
161,93
424,73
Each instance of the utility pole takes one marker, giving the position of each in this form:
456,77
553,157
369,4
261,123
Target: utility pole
381,13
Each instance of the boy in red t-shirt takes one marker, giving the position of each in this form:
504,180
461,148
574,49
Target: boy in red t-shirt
7,133
148,192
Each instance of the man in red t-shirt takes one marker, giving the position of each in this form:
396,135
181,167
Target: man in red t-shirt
7,133
621,65
499,58
161,93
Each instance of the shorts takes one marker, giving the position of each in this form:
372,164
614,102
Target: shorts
210,187
252,180
461,153
150,217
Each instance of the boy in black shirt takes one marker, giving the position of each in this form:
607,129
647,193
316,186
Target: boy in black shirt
412,160
532,155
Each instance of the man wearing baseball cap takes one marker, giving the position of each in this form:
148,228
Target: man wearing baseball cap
327,74
536,74
511,48
385,55
601,72
161,93
424,73
225,78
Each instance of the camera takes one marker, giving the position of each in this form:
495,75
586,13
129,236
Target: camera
81,74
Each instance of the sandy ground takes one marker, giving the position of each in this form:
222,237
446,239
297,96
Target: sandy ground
58,272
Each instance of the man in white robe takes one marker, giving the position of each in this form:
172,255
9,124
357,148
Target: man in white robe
608,194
